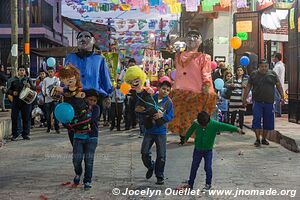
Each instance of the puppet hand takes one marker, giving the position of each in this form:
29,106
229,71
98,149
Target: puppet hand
150,90
140,109
158,115
80,95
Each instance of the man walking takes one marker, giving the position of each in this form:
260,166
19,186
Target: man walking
279,69
263,82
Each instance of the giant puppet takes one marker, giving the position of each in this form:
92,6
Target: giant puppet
94,73
193,89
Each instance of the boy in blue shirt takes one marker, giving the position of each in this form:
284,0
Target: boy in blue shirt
85,144
157,134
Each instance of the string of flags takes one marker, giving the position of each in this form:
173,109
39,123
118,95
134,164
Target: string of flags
163,6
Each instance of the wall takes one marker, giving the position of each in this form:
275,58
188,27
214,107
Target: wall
221,28
57,20
67,32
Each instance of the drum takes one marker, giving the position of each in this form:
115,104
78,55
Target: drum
28,95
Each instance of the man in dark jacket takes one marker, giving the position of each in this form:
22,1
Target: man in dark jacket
17,83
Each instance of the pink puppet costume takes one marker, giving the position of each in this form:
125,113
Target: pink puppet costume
193,88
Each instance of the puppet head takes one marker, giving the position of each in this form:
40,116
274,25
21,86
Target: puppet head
193,40
85,41
70,75
136,77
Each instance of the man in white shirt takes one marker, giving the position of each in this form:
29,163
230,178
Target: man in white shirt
50,103
279,69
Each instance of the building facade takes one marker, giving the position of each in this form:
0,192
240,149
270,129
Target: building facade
46,30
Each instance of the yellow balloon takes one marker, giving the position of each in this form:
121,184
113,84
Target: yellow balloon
125,87
235,42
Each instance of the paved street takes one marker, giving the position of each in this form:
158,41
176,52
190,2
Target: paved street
39,166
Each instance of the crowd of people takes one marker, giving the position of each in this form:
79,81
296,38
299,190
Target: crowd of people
183,105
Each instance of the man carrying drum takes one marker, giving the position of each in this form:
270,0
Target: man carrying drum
21,102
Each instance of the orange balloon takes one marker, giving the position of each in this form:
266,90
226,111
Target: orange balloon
125,87
235,42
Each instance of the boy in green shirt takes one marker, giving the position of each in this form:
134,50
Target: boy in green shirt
206,130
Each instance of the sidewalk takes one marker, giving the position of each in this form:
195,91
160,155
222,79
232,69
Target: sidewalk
286,133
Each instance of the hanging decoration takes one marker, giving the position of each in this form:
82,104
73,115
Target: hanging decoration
225,3
192,5
151,63
241,4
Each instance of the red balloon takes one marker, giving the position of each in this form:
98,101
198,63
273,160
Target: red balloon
214,65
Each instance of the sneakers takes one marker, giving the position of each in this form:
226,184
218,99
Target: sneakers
257,143
13,138
264,142
25,137
48,130
160,181
149,173
76,180
57,131
111,128
87,185
206,187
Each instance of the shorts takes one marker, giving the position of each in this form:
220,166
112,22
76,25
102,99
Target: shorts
263,111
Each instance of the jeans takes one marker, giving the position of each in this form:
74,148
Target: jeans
19,106
160,141
116,112
225,116
141,123
49,108
106,114
71,136
197,157
278,109
241,117
84,149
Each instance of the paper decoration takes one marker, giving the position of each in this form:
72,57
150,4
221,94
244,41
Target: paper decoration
152,24
112,63
155,2
241,4
292,18
125,7
145,9
162,9
191,5
225,3
176,8
115,1
142,23
207,6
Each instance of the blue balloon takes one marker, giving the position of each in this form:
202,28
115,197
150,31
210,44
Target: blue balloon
219,83
64,112
244,61
51,62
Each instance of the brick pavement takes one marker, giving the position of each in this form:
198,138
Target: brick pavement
39,166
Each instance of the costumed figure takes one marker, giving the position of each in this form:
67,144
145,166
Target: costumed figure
72,94
193,88
145,105
94,73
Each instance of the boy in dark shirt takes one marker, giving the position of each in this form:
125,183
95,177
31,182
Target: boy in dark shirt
85,144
